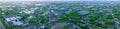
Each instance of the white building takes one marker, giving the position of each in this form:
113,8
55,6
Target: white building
12,18
17,23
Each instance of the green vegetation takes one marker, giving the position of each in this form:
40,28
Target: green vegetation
0,11
12,27
63,19
33,22
93,18
75,22
44,9
110,23
77,19
15,10
3,22
0,14
109,17
92,10
42,17
117,14
72,14
96,14
84,27
115,10
99,25
26,15
92,22
7,14
104,26
43,21
66,27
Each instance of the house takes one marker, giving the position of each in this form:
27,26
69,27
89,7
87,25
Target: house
18,23
12,18
83,12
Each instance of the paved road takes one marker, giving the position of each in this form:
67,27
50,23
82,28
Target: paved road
2,26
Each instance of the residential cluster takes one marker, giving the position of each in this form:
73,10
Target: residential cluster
60,15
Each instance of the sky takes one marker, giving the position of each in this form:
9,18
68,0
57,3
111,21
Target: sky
59,0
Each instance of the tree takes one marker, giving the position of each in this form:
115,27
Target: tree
43,21
104,26
7,14
84,27
99,25
93,18
33,22
26,15
110,23
109,17
92,22
0,11
63,19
